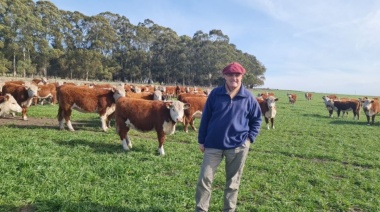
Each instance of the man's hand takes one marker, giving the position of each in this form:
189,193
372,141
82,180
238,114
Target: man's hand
201,147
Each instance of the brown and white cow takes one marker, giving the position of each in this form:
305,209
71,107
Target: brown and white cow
344,106
146,115
308,96
268,109
23,94
88,100
371,108
8,105
292,98
46,92
195,111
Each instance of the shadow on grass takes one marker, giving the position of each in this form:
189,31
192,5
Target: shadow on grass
106,148
58,205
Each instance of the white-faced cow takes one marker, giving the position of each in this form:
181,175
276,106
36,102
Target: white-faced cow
87,100
195,111
268,109
292,98
371,108
308,96
344,106
8,105
147,115
23,94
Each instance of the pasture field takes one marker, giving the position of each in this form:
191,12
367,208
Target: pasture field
310,162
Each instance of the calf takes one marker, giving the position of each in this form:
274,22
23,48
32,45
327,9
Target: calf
268,109
23,94
292,98
194,111
145,115
308,96
8,104
343,106
90,100
371,108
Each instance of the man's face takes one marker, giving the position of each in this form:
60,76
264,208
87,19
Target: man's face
233,80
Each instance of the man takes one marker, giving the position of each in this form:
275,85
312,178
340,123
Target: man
231,120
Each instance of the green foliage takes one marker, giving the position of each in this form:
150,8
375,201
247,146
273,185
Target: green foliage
310,162
68,44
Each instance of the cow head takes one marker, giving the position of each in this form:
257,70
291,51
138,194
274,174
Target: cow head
177,110
329,103
271,102
118,91
367,104
32,90
9,105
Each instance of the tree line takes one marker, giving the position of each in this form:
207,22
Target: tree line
37,38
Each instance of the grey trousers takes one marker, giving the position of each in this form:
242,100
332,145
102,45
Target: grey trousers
234,164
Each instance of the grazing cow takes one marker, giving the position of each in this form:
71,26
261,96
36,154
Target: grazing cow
292,98
144,116
46,91
8,105
195,111
343,106
90,100
23,94
371,108
268,109
308,96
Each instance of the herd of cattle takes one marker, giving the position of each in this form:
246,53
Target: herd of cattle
144,108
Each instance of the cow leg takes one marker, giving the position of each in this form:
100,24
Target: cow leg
368,118
126,142
272,120
67,116
161,139
373,119
267,122
104,120
24,110
192,124
185,124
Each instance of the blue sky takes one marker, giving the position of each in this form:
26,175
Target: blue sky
325,46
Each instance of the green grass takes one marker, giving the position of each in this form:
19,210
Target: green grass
310,162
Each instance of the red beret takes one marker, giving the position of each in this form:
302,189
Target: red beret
234,68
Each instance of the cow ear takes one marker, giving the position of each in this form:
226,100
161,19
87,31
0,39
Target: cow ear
276,99
7,97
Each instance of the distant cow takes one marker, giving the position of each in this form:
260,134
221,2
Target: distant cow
146,115
90,100
195,110
344,106
23,94
308,96
8,105
371,108
268,109
46,92
292,98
